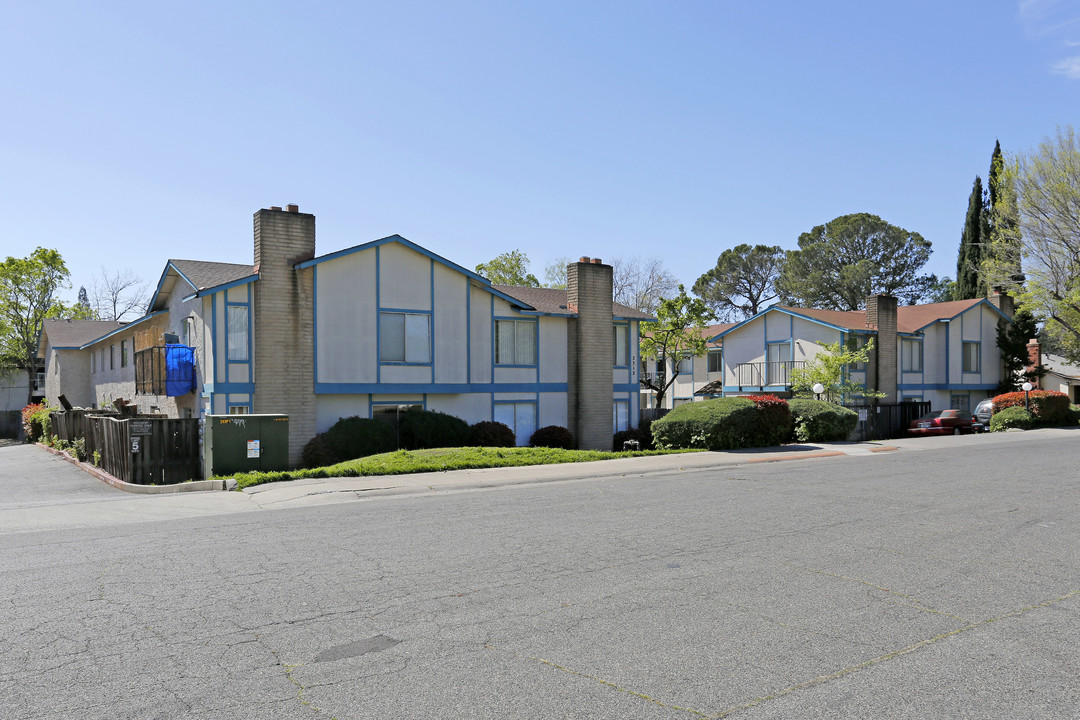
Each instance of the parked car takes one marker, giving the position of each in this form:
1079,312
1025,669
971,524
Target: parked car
982,414
943,422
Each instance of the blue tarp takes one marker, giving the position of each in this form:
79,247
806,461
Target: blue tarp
179,370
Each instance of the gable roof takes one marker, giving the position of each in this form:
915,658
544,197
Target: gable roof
913,318
201,276
552,301
1058,365
847,319
73,334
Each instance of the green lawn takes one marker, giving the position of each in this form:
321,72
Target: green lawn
416,461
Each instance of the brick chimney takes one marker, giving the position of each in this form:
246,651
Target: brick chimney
881,372
1003,301
283,357
590,348
1034,361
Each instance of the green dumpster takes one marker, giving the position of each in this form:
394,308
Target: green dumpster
244,443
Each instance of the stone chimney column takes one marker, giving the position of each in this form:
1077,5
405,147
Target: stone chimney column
590,348
1001,299
284,348
882,371
1034,360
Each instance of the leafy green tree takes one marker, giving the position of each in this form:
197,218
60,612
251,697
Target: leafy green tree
943,290
1012,340
555,273
974,238
743,281
830,367
509,268
839,264
28,288
679,331
1037,221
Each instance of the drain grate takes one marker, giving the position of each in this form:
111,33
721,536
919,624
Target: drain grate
356,648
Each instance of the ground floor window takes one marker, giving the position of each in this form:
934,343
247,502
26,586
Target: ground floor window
621,416
238,410
519,417
961,402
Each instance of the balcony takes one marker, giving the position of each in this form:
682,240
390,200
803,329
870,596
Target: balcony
766,375
165,370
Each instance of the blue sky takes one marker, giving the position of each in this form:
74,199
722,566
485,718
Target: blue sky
135,132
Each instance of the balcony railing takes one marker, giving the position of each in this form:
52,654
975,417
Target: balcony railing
766,374
164,370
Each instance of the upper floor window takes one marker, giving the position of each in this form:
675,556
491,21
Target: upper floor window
622,345
405,337
515,342
855,343
686,364
971,356
716,361
911,359
123,353
236,323
112,357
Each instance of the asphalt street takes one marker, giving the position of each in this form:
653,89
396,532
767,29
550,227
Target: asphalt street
941,580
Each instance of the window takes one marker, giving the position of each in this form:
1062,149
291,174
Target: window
238,409
911,355
686,365
404,337
189,331
621,416
716,361
779,360
112,357
622,345
123,353
519,417
960,402
237,331
854,343
515,342
971,357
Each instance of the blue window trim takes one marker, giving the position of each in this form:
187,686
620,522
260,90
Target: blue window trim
709,355
978,357
946,386
495,319
614,405
431,339
903,358
372,403
250,350
326,388
535,402
628,359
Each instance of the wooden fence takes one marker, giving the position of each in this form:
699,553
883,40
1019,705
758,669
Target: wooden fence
141,450
885,421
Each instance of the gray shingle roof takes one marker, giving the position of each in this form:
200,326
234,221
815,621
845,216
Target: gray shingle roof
553,300
76,333
205,275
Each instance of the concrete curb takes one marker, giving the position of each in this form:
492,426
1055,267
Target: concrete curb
193,486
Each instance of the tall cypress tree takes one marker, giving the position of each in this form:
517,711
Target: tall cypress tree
969,283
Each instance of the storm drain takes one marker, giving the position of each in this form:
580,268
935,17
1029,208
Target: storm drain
356,648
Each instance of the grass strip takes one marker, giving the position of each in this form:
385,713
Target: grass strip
403,462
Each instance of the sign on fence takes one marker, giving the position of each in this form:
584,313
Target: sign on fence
139,427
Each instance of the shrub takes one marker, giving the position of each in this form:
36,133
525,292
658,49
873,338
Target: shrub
355,437
552,436
1072,417
488,433
422,429
1048,406
642,435
317,453
1012,417
820,421
720,424
775,417
36,422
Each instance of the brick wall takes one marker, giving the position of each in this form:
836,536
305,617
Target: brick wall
881,313
590,352
283,327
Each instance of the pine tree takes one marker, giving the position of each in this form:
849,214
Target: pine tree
1012,340
969,282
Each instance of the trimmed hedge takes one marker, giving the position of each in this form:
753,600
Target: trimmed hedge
1048,406
423,429
488,433
317,453
1073,416
820,421
356,437
724,424
1012,417
552,436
